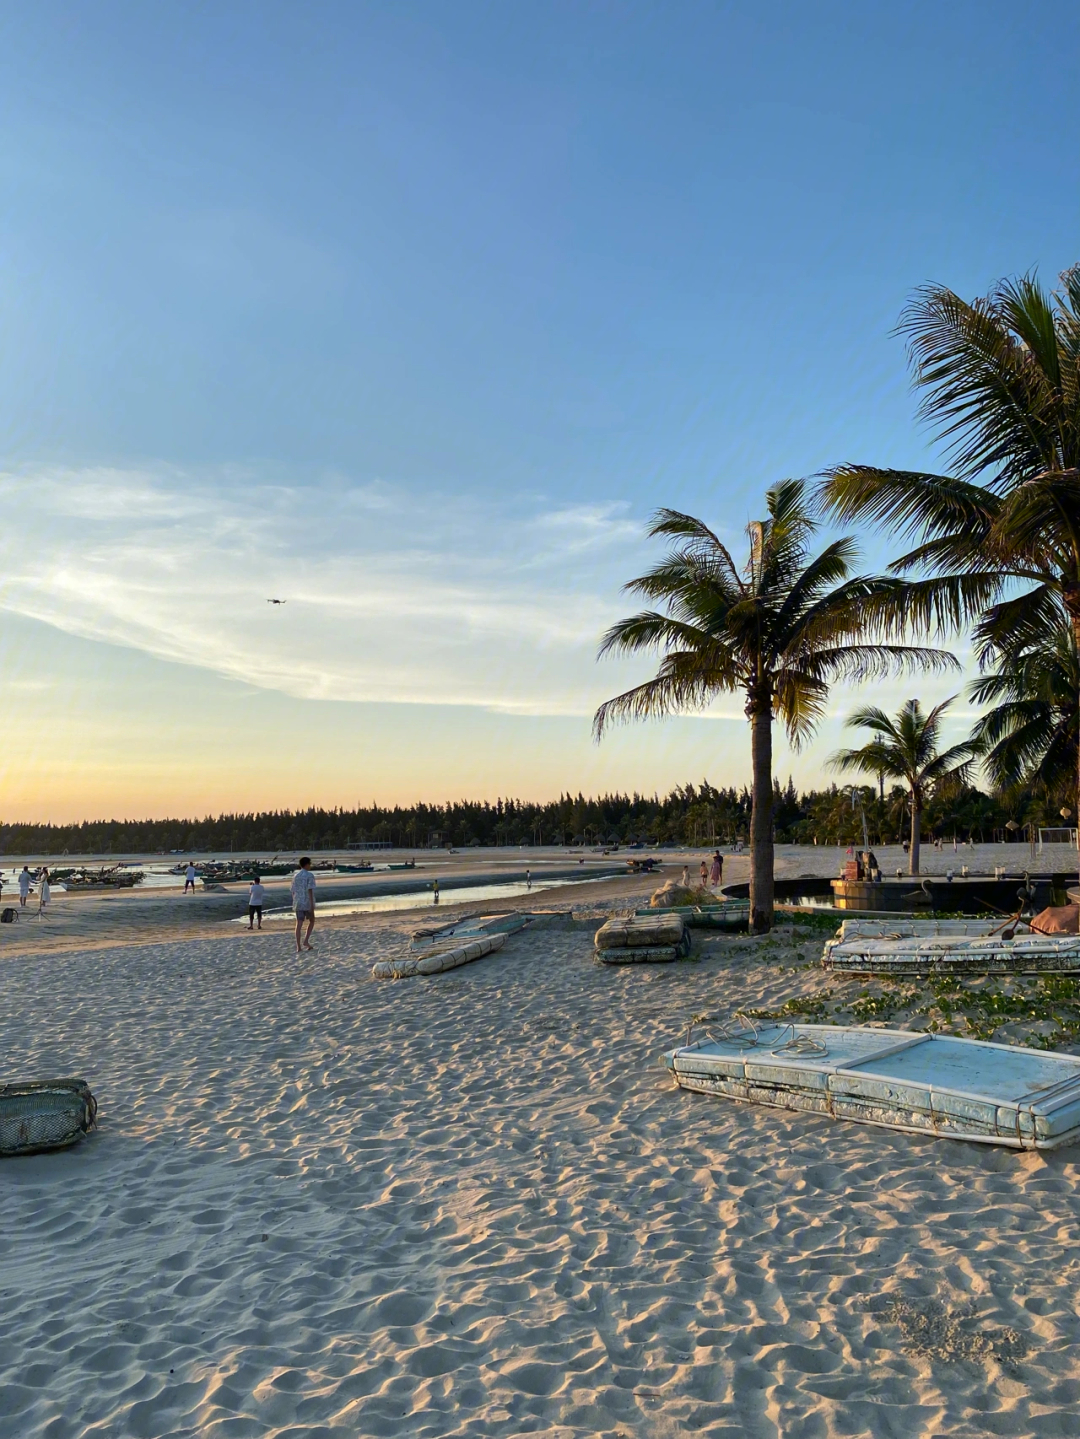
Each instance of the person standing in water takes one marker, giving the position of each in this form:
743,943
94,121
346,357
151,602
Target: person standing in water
256,900
303,898
24,886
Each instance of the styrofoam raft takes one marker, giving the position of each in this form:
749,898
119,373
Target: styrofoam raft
656,938
661,927
721,916
449,954
44,1114
944,953
654,954
918,1083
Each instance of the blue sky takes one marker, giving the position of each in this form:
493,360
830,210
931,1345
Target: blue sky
410,314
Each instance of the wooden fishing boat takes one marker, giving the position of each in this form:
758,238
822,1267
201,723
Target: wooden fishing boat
44,1114
893,1078
948,947
113,877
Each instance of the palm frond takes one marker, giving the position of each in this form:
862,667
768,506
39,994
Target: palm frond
986,397
908,501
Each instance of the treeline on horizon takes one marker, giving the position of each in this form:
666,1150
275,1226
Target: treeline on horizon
693,815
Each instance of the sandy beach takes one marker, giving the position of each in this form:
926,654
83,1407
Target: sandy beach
475,1205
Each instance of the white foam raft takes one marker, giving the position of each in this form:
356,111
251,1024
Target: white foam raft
657,938
896,1079
447,954
947,947
449,948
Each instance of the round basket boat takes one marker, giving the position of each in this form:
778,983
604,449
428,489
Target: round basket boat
46,1114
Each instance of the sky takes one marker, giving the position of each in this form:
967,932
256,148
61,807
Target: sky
410,315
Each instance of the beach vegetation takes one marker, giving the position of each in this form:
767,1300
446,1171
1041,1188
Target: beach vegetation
779,630
1029,738
995,542
906,747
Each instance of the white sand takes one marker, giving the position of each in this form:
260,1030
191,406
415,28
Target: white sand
475,1205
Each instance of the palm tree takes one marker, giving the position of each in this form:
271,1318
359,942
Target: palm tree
1029,739
906,748
1001,377
779,631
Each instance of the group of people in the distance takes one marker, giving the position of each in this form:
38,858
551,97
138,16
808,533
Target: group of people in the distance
710,874
26,886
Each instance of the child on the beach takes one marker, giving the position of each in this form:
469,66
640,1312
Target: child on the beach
256,900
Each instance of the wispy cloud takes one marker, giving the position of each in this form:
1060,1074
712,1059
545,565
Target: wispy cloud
389,596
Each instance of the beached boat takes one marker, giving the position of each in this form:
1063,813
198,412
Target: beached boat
948,947
893,1078
44,1114
113,877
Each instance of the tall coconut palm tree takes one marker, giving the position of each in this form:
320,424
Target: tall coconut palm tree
1029,739
906,748
779,631
1001,384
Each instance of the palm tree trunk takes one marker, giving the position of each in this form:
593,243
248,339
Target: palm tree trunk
916,833
761,818
1071,595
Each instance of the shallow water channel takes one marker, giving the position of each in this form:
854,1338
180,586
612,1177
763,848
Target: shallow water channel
419,898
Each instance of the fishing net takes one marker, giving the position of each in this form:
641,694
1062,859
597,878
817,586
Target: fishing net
47,1115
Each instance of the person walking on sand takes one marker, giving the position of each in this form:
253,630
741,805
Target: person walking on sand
303,898
716,873
189,878
256,900
24,886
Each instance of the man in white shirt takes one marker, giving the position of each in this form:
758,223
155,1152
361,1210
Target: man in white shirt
303,898
24,885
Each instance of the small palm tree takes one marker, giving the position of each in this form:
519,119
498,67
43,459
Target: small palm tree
1001,377
1029,739
779,631
906,748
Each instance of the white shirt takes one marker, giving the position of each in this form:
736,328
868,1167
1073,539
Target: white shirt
24,882
256,894
303,889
